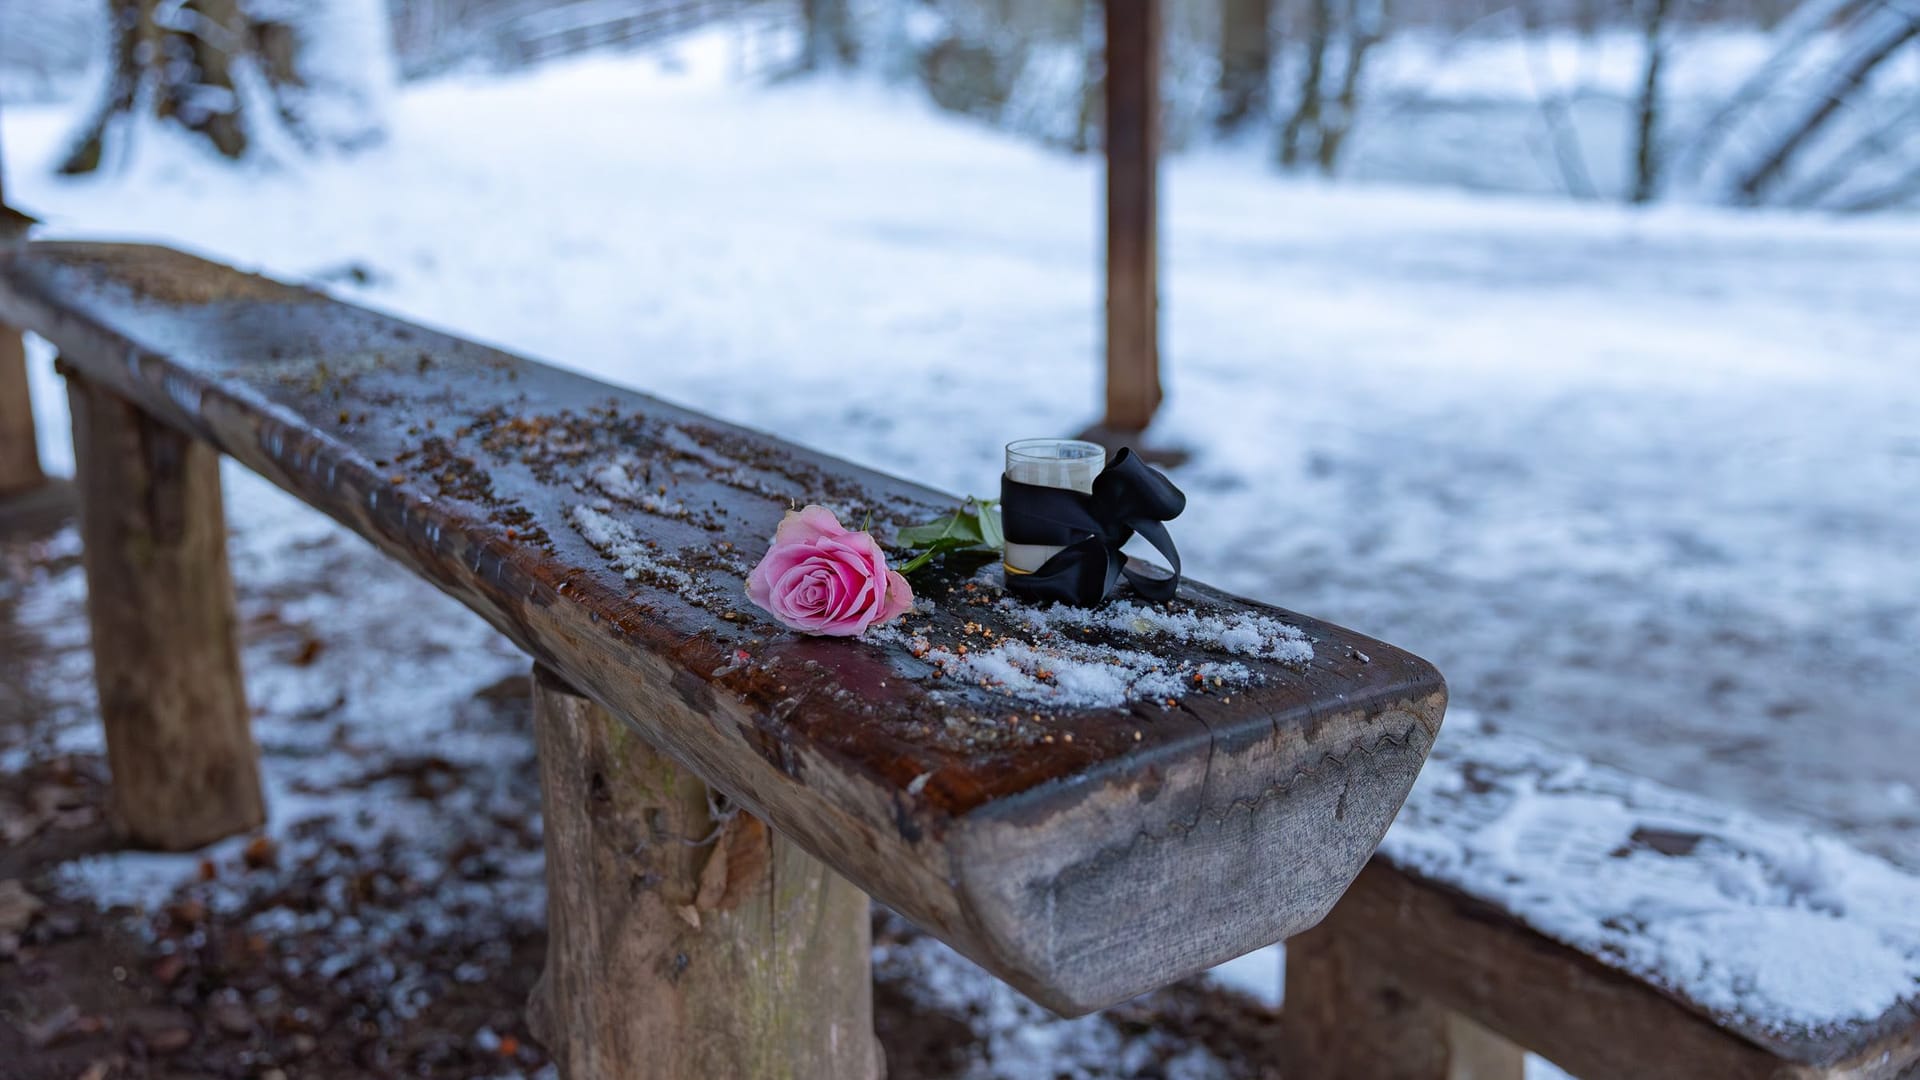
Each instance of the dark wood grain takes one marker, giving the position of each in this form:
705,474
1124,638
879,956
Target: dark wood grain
1083,855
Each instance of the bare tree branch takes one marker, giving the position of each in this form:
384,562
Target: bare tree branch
1887,30
1646,154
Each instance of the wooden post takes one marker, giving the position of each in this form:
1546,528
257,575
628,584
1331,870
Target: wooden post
1346,1016
681,944
1132,129
165,650
19,455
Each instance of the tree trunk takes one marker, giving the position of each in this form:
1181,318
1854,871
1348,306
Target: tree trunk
329,66
1366,26
1246,58
178,60
166,651
682,941
1306,116
1646,148
829,34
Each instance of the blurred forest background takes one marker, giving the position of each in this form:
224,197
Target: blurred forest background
1799,103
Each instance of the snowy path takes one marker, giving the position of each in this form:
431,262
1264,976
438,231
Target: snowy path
1641,484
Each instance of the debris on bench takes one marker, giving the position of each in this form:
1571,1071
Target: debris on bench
1088,808
1622,928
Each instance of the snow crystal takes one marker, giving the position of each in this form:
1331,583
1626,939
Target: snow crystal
616,478
1256,636
620,543
1057,671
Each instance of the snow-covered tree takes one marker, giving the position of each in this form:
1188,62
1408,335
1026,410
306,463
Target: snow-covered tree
241,75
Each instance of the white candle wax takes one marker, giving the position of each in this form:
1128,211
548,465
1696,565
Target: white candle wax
1055,463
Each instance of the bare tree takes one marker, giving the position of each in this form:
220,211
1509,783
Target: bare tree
1341,35
1791,40
1878,36
230,72
1646,142
176,59
1304,121
1366,22
1889,140
1246,58
829,34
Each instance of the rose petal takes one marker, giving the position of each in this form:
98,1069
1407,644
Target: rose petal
899,598
812,522
772,567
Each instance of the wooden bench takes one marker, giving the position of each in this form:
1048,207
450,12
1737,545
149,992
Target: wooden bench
1209,780
1529,899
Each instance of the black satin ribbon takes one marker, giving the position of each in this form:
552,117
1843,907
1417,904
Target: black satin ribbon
1129,496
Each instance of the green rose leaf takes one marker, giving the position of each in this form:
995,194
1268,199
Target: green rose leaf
974,527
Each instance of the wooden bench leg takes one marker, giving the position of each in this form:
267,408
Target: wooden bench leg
165,647
19,456
681,945
1345,1017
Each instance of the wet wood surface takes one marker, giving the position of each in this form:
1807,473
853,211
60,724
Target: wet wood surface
1082,854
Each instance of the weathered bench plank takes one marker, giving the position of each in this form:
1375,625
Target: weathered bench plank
1082,852
1620,928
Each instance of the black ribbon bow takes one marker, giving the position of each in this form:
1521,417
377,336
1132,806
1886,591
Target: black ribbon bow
1129,496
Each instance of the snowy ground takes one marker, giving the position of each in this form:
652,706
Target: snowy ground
1639,483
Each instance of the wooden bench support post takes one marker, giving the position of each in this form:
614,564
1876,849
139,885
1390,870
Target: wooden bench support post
1345,1016
681,944
19,456
165,648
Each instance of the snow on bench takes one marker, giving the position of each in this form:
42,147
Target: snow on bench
1620,927
1087,807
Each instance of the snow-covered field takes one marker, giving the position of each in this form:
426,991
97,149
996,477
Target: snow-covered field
1641,484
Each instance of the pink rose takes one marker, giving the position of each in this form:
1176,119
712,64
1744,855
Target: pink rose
820,578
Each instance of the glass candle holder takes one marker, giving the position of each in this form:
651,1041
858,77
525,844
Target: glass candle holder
1056,463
